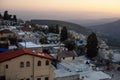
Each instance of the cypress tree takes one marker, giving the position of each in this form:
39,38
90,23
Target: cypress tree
14,18
6,16
92,46
57,29
64,34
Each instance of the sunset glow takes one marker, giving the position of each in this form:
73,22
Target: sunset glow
103,6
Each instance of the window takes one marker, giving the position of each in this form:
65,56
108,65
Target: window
57,57
21,64
27,64
27,79
38,78
39,63
6,66
119,63
47,62
46,78
73,57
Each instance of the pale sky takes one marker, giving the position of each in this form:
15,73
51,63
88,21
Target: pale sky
62,9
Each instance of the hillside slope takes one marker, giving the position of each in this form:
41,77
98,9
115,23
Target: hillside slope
111,30
69,25
93,22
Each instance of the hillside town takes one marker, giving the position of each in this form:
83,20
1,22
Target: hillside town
30,51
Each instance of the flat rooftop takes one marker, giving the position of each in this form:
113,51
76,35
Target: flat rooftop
79,66
94,75
33,45
64,73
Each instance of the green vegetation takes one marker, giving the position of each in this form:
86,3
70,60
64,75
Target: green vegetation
69,25
9,17
54,29
92,45
64,34
69,44
80,50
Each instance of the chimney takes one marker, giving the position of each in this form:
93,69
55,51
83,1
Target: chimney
33,51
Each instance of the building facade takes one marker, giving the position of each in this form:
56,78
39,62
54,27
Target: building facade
6,33
28,66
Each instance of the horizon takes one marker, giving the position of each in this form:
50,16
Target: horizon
62,10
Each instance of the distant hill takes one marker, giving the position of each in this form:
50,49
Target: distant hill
69,25
93,22
111,30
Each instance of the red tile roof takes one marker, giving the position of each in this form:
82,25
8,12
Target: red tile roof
19,52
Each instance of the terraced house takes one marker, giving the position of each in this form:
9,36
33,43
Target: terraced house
25,64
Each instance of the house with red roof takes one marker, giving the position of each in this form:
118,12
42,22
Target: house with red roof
25,64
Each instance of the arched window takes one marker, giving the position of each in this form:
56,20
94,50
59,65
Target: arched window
27,64
21,64
28,79
47,62
46,78
73,57
39,63
38,78
6,66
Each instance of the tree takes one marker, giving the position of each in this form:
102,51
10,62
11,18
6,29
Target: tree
92,46
6,16
51,29
64,34
14,18
54,29
46,51
9,17
80,50
69,44
0,16
13,40
57,29
43,40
